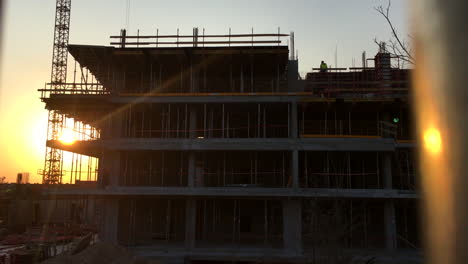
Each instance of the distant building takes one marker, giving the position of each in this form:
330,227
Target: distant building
22,178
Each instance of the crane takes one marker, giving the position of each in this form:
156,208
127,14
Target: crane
53,165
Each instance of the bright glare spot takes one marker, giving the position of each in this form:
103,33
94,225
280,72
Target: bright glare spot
432,141
67,137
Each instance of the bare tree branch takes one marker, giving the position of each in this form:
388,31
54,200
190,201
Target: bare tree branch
400,48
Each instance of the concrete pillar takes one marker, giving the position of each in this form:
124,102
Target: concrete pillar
292,226
295,168
390,225
190,205
389,129
109,163
389,207
387,170
293,133
109,224
191,169
192,158
190,223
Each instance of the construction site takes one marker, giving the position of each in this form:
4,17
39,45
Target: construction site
214,149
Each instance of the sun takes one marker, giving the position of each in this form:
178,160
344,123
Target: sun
432,141
67,137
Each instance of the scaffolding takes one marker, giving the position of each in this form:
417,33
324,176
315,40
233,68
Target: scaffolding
83,168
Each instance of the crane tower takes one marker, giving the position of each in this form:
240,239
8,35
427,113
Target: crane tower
52,173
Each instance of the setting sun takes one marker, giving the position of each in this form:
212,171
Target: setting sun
67,137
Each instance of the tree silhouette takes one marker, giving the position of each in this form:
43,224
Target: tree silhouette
399,46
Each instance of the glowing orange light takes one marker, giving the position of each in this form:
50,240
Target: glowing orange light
432,141
67,137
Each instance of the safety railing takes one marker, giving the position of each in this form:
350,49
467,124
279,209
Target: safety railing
73,88
196,39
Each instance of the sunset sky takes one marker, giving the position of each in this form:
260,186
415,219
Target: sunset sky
320,27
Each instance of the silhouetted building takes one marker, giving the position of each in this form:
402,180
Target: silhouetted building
215,150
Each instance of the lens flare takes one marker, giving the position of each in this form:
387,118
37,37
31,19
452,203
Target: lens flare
67,137
432,141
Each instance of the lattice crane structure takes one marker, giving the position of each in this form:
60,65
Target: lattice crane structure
53,165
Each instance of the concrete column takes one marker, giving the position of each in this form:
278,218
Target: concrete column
109,163
190,223
390,129
108,230
387,170
292,226
190,205
191,170
192,159
295,168
389,207
293,133
390,225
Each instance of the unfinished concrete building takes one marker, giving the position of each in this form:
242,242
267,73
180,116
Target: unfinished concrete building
212,148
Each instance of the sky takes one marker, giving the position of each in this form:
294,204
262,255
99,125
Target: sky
322,29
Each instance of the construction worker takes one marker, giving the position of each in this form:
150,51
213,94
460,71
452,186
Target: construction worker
323,67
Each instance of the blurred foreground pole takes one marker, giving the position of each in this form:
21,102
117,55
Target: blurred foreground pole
441,100
2,17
